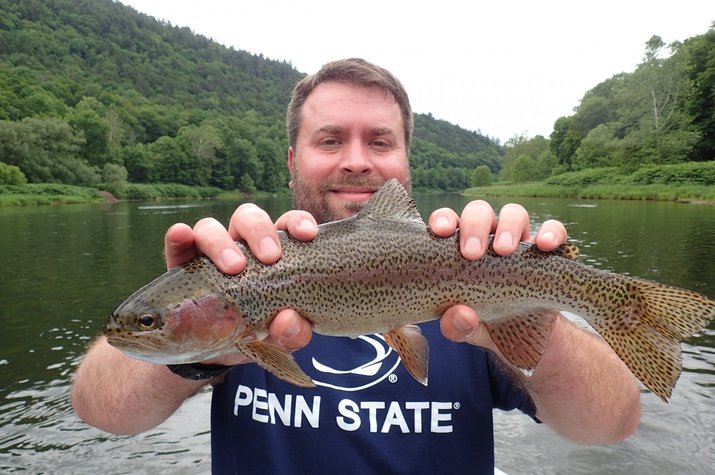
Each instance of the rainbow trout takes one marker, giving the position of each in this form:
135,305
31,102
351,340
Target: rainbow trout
382,271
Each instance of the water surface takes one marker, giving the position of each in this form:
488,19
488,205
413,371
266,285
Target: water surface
65,268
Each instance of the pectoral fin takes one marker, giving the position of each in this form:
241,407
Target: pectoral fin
276,361
522,339
413,349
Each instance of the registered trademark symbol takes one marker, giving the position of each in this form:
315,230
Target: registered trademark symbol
392,378
456,405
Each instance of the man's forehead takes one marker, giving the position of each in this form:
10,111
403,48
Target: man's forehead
340,88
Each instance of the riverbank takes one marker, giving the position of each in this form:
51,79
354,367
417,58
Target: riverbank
53,194
653,192
57,194
48,194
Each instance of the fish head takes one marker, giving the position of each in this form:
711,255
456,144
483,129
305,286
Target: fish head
181,317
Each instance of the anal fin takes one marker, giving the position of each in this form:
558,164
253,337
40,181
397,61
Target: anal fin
276,361
409,342
522,339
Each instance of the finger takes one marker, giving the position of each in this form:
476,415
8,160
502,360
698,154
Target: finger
289,330
251,224
179,245
299,224
443,222
512,227
551,235
214,241
476,223
461,324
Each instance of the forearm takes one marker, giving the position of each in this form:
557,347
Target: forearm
125,396
582,389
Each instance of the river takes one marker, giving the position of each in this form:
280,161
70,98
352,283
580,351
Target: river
64,268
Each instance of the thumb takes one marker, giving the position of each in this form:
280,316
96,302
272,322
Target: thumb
462,325
289,330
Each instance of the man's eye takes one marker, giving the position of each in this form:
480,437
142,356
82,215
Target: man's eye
329,142
380,144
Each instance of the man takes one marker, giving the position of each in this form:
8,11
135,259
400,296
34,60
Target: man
349,127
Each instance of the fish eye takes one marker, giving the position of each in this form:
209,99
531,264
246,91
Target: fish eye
148,322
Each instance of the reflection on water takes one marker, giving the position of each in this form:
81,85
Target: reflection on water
65,268
673,438
41,434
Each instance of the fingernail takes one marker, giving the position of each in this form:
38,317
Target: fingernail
505,240
230,258
305,225
464,324
547,236
292,330
267,246
472,247
441,223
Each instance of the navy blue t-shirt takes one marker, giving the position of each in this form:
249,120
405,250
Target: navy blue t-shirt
367,415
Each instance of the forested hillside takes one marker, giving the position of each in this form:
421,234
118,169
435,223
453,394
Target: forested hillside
661,114
91,91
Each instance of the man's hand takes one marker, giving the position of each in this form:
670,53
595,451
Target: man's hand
251,224
478,220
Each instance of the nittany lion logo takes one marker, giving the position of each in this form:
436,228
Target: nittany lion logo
332,374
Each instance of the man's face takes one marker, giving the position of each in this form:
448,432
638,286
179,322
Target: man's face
351,140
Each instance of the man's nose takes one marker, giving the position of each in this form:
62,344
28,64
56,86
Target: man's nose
356,158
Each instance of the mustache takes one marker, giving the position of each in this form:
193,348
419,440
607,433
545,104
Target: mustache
372,183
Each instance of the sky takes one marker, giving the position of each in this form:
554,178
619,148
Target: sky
503,68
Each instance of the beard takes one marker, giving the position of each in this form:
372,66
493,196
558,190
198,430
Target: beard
313,197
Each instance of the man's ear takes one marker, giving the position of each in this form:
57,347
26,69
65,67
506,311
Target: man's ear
291,156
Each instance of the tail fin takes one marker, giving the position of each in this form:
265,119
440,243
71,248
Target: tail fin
648,340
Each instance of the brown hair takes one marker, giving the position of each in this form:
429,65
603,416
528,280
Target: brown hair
355,72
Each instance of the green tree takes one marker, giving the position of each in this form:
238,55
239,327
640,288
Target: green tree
481,176
244,163
172,164
88,124
523,169
275,176
137,160
593,111
118,133
661,82
201,144
699,60
114,176
46,150
11,175
247,184
546,163
565,140
598,149
659,86
522,146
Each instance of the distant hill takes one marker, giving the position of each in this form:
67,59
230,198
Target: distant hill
92,90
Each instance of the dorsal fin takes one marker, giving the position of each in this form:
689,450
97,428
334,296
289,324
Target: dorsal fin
391,202
569,251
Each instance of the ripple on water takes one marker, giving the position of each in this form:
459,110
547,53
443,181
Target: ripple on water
42,435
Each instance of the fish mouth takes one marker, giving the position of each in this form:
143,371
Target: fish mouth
118,336
111,327
147,349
